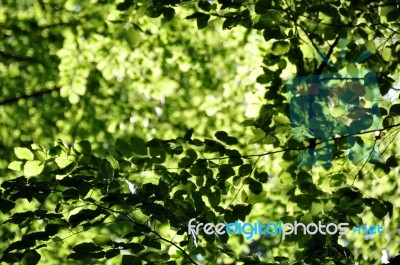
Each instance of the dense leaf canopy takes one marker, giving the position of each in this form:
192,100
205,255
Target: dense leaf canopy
123,120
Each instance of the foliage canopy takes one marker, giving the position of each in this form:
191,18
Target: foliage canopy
121,121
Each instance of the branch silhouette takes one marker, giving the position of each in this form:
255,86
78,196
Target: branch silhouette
14,100
148,229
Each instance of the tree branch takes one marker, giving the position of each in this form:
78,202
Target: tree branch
305,147
263,154
26,96
19,58
328,55
330,51
148,229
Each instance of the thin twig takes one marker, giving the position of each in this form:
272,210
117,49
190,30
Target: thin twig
148,230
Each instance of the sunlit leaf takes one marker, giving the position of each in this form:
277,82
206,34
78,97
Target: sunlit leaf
23,153
33,168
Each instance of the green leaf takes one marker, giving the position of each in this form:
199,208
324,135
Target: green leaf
214,199
281,120
395,110
154,11
281,260
123,148
221,135
86,255
86,247
63,162
196,170
165,256
125,5
52,229
130,260
114,163
185,162
392,161
254,186
83,215
168,13
362,153
224,137
33,168
6,206
198,201
378,210
261,7
70,193
188,134
83,147
240,211
191,153
106,169
370,45
235,161
101,240
263,79
393,16
280,48
388,121
202,19
15,165
230,22
112,253
386,54
245,170
31,258
213,146
262,177
273,32
226,171
248,123
337,180
11,257
244,197
138,146
205,5
389,208
258,135
150,257
147,241
23,153
135,247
